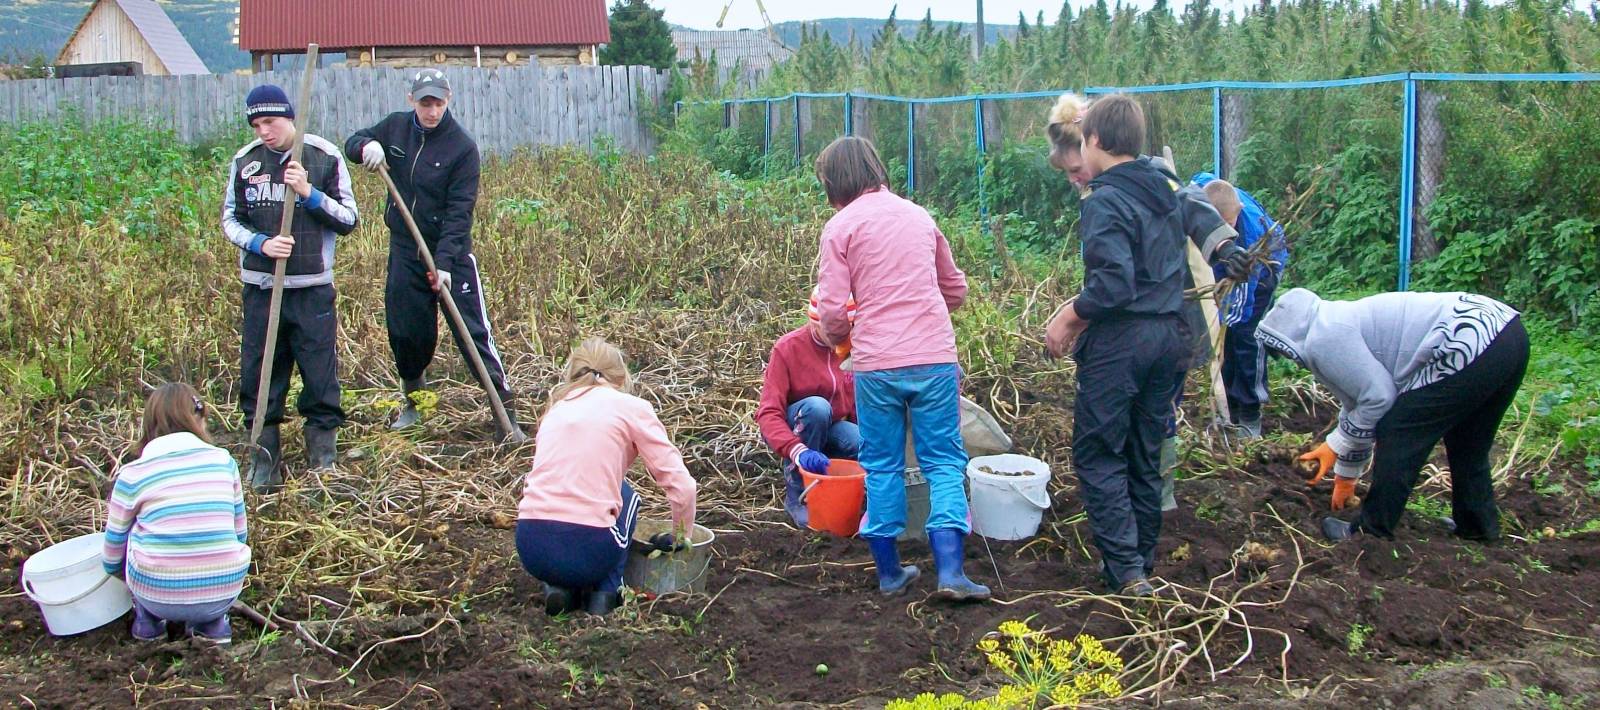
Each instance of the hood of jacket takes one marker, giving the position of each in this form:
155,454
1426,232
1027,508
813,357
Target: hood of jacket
1143,182
1287,324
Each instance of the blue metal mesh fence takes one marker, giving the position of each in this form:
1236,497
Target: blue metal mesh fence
1425,158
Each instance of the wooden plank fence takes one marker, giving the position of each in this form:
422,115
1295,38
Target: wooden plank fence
505,108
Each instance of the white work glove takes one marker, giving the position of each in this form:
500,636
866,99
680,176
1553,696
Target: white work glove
372,156
442,284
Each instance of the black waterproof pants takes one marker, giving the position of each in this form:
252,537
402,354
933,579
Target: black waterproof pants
307,329
1127,371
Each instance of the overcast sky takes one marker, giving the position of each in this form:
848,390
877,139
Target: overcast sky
702,14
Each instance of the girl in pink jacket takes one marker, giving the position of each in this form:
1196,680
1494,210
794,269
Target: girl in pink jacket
888,252
577,512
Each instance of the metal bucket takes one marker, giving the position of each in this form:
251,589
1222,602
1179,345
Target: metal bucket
658,572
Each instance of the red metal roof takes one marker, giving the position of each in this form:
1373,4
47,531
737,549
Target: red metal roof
337,25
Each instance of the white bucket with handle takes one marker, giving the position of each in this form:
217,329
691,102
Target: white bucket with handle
72,589
1009,495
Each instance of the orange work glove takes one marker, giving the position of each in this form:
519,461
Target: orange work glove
843,348
1324,457
1343,489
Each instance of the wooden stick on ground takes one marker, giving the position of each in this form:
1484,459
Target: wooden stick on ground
276,623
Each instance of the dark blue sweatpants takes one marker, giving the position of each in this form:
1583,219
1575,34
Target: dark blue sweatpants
579,557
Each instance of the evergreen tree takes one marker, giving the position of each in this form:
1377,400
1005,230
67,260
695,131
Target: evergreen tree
638,37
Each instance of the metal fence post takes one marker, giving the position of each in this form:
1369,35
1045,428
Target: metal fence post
766,138
1408,168
1216,131
983,150
849,114
799,146
911,147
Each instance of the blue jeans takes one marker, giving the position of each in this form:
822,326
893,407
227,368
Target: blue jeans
579,557
811,419
930,394
194,614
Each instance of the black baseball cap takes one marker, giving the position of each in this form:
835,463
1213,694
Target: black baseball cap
430,82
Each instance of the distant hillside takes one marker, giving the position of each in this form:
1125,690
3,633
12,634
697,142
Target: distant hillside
30,28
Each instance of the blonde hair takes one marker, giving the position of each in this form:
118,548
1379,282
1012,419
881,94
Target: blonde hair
1066,122
593,362
1225,199
174,407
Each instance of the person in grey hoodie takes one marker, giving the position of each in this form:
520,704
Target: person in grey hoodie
1408,370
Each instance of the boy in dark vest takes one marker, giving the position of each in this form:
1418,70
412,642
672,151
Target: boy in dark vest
261,177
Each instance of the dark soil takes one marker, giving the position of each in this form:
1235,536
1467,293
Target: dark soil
1425,620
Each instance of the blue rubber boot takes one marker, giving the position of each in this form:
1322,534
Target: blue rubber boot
893,579
148,626
947,559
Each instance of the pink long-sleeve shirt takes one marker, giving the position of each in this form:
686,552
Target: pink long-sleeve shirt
585,445
888,252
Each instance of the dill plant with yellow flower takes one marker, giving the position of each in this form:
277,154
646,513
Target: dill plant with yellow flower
1040,671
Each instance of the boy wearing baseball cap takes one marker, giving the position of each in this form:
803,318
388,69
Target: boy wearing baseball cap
434,163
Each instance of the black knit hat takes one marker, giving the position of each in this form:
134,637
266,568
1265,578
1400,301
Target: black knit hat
267,100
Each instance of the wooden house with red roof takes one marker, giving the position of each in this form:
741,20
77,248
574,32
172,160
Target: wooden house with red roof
414,33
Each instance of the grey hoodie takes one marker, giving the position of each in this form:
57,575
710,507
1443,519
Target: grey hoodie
1371,351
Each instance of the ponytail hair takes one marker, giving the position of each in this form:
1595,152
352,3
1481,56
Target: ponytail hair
173,408
1066,122
593,362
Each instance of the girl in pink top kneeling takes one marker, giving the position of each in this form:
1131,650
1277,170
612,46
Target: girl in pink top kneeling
578,511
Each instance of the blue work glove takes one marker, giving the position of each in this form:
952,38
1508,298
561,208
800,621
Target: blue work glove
812,461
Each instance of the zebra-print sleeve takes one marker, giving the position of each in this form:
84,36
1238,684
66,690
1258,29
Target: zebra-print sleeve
1473,324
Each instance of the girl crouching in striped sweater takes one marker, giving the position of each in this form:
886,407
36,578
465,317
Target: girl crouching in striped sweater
175,528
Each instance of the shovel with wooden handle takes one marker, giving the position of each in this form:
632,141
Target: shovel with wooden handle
512,433
264,386
1201,271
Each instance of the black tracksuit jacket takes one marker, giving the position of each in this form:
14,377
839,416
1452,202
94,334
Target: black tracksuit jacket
436,172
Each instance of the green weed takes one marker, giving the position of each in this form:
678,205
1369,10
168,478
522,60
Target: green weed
1355,640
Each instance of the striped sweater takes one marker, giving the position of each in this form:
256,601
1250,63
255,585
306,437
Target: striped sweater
176,518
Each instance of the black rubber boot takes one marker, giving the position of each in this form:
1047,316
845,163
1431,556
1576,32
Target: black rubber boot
1335,529
559,600
409,416
266,465
602,603
321,446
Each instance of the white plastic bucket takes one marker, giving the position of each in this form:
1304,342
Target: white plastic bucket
1008,507
72,589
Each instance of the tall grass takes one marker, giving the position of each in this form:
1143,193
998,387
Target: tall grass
120,279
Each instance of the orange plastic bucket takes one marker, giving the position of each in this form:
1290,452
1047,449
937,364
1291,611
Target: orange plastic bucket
835,502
